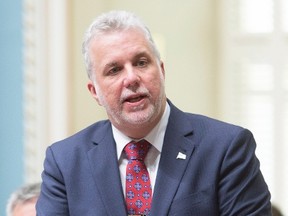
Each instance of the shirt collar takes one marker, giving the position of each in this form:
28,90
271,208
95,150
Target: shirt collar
155,136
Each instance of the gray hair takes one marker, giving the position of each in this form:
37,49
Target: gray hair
24,194
113,21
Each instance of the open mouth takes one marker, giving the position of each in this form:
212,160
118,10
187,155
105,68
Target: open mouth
135,99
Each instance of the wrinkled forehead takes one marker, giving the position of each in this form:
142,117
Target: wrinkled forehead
118,41
100,34
125,44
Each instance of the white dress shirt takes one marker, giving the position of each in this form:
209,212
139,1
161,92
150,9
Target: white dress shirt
155,137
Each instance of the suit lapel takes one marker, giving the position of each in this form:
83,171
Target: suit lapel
103,162
171,169
105,169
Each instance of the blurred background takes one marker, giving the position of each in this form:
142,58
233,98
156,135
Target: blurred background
224,58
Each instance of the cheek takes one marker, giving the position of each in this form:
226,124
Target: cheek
111,92
155,82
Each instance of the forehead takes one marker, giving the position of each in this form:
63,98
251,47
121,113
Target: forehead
27,209
119,33
125,41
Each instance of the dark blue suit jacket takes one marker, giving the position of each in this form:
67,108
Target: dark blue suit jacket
220,175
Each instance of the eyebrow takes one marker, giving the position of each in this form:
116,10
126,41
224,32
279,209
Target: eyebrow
111,64
138,55
142,53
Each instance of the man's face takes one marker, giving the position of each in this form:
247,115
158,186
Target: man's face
128,79
25,209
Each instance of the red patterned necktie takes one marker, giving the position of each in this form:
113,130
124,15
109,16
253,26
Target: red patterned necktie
138,186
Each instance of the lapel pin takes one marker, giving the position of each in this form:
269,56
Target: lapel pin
181,156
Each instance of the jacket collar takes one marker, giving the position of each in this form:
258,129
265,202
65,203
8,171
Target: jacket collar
176,152
105,170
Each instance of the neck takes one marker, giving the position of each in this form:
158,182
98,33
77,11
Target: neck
139,131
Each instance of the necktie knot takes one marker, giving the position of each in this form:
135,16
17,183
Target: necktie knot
137,150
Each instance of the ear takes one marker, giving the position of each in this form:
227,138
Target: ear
162,68
93,91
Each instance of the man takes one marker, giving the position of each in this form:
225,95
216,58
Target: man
194,166
22,201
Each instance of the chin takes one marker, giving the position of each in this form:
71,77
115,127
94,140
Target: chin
139,120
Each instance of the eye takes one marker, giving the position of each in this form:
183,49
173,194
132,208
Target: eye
142,63
114,70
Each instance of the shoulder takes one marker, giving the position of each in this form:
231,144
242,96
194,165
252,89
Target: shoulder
85,137
212,124
200,122
205,128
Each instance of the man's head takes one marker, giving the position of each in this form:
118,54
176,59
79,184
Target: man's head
22,202
113,21
125,71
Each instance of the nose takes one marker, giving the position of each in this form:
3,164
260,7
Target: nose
132,78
